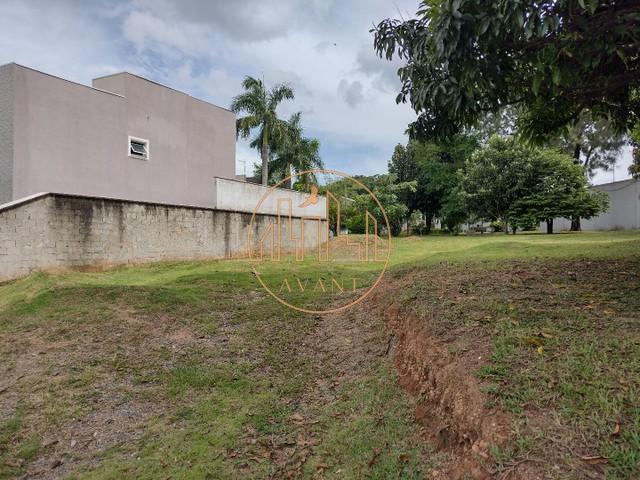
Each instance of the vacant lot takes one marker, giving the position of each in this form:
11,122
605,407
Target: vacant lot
505,356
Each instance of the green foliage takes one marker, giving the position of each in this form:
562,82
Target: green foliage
291,154
404,168
554,58
417,223
523,186
634,168
434,166
454,210
591,142
260,105
496,177
557,188
388,194
356,201
497,225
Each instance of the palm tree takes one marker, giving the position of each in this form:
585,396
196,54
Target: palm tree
260,106
296,153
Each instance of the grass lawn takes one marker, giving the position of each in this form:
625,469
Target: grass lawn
191,370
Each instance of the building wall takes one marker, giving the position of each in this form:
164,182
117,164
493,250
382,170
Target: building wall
247,197
73,139
191,141
52,232
623,212
6,133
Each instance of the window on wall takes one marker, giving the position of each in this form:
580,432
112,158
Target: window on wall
139,148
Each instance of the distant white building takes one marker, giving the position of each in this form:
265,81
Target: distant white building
623,212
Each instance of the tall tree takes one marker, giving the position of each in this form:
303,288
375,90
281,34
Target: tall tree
556,188
594,145
437,165
555,58
495,177
403,168
387,191
260,105
296,153
522,186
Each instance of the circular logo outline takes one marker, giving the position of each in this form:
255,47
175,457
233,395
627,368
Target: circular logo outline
369,290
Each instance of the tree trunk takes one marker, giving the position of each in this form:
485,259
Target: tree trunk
265,162
514,229
576,153
428,222
549,226
289,182
575,221
575,224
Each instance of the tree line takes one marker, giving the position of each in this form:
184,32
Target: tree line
557,80
465,179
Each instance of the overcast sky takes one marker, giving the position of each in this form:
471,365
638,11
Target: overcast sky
323,48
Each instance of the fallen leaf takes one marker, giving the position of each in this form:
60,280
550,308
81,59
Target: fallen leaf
403,458
539,350
544,334
296,417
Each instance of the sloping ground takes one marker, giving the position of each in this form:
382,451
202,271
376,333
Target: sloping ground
524,370
191,371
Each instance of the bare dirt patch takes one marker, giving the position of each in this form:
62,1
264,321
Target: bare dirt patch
84,389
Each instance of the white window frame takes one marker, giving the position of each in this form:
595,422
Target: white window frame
138,140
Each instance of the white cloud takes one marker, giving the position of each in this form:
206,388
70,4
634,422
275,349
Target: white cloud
206,47
322,48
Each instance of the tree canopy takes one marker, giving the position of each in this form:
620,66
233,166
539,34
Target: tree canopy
522,186
593,143
433,165
557,188
553,58
295,153
260,105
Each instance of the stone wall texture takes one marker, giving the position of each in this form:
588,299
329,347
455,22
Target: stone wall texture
56,232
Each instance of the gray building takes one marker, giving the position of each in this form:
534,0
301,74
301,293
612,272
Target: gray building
623,212
124,137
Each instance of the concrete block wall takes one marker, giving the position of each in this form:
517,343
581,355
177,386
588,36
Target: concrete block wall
54,232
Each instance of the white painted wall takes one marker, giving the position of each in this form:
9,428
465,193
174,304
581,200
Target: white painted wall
623,212
241,196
